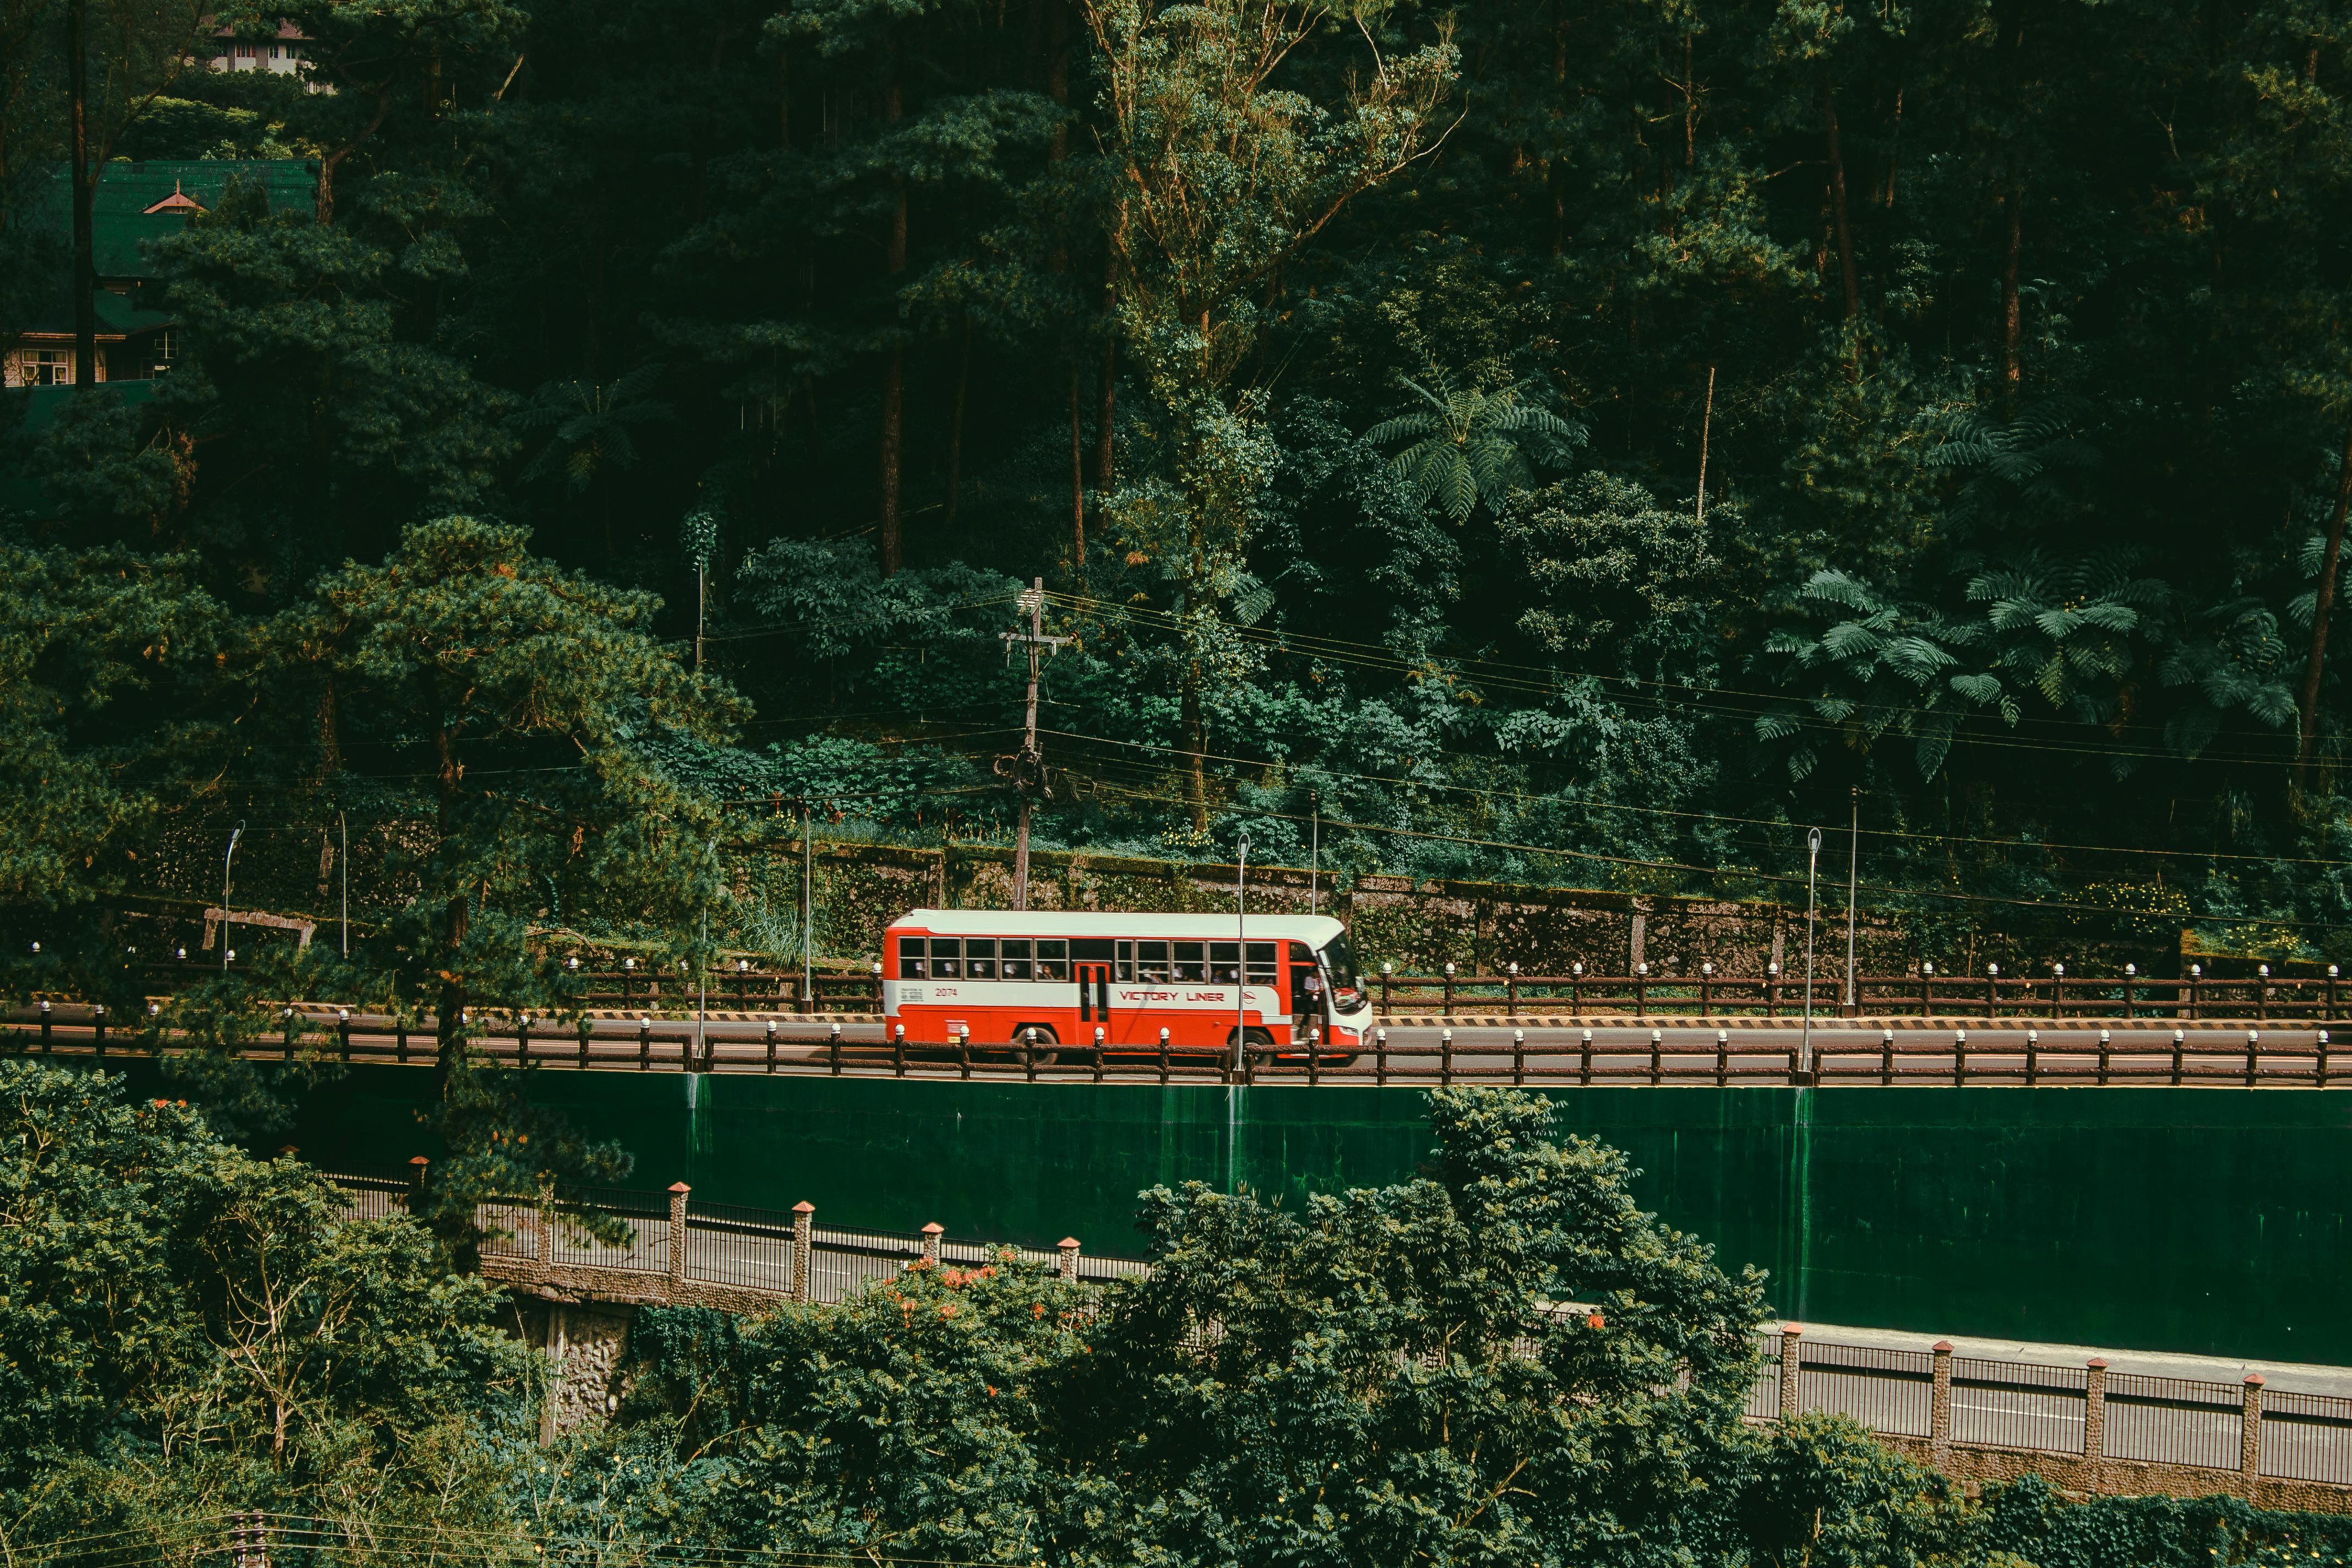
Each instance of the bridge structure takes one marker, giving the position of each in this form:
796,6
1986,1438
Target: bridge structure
2114,1423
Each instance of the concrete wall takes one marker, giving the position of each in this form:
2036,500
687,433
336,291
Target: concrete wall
2204,1220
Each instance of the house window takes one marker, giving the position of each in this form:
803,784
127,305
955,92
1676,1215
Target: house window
52,367
165,350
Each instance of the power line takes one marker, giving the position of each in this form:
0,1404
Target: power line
1894,833
1724,702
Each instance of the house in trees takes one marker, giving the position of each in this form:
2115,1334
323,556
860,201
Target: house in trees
134,203
281,55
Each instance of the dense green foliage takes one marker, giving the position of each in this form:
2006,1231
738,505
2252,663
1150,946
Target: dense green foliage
1516,432
190,1329
1502,1361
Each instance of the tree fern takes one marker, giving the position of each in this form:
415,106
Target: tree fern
1469,445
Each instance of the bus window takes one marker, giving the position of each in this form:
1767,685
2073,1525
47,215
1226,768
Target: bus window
1151,962
1191,961
1347,993
1053,959
946,957
1261,962
910,958
1223,957
1126,961
1014,962
979,957
1306,983
1091,949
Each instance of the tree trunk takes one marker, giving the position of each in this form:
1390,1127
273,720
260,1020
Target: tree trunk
85,262
1846,278
2323,601
894,371
449,1008
1106,398
1078,472
2011,317
1690,107
1196,773
955,426
1057,72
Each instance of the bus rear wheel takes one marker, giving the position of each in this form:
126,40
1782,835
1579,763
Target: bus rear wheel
1045,1039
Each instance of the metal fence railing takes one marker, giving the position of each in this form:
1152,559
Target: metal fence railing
747,1248
1886,1389
1965,1401
2174,1421
2307,1437
2018,1405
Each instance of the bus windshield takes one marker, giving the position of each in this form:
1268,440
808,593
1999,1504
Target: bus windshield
1339,960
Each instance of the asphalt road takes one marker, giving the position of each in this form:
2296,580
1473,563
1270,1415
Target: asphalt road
1688,1053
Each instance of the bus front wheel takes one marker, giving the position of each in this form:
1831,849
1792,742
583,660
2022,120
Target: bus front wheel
1259,1041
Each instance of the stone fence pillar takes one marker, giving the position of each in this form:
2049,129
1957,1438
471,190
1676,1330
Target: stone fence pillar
542,1230
1069,1266
2095,1409
1789,1363
677,1191
803,1226
1939,1404
2250,1434
931,1234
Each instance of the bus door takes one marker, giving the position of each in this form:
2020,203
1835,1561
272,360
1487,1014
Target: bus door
1094,1001
1306,994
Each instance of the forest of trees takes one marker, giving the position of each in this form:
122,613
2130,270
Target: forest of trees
192,1332
1568,440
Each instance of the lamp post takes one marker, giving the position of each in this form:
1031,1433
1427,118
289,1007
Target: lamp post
1852,863
227,861
1812,869
1240,948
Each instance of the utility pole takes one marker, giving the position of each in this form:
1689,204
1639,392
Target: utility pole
1706,429
1314,849
85,274
1813,867
344,828
702,982
808,909
1027,767
1852,859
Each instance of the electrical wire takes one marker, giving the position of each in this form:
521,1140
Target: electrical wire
1893,833
1730,702
1740,874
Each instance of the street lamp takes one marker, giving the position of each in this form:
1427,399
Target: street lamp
227,861
1241,946
1812,869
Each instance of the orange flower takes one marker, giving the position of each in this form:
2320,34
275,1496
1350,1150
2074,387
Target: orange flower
1596,1322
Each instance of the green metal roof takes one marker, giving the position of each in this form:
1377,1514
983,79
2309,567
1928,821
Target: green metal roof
118,217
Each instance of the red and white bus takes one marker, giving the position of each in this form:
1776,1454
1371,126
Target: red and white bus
997,973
